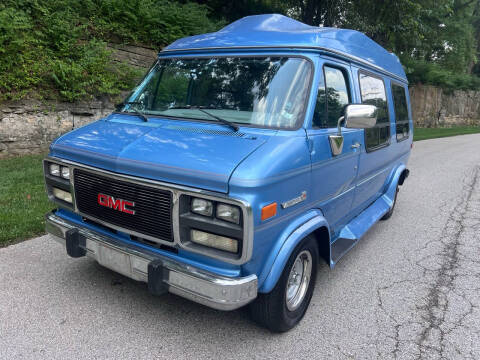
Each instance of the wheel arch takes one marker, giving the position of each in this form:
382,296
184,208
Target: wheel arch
312,224
322,236
403,176
399,174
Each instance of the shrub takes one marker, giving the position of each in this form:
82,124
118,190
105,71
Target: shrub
57,48
152,22
434,74
90,71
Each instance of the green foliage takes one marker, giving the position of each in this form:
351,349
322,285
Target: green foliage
150,22
89,71
58,47
20,67
234,10
439,39
420,71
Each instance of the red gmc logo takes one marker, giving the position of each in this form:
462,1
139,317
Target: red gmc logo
116,204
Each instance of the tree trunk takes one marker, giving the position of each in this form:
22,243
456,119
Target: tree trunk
306,11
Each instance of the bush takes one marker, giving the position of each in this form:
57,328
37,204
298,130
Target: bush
152,22
434,74
20,67
57,48
90,71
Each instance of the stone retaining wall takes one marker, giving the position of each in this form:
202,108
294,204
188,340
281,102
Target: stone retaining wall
28,127
138,56
433,107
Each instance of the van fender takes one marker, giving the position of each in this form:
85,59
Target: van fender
293,234
398,174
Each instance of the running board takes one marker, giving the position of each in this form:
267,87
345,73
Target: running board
355,229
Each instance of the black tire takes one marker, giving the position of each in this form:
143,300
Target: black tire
270,310
390,212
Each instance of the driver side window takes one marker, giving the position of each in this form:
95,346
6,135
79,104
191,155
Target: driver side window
333,95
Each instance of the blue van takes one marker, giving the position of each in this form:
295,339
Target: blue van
240,160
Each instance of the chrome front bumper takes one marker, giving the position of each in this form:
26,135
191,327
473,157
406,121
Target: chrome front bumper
159,272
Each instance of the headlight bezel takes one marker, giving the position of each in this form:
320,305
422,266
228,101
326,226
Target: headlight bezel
214,225
58,170
213,212
54,179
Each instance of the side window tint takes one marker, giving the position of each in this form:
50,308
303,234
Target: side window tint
373,92
401,111
332,97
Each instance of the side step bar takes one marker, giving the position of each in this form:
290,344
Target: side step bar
355,229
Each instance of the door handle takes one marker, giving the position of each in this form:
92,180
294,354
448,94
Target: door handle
355,145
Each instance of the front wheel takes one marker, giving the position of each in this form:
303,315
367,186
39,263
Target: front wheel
284,307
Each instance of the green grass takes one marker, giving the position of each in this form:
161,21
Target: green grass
23,202
431,133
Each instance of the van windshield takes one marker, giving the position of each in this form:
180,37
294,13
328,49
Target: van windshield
261,91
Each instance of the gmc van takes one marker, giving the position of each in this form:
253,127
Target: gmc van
241,159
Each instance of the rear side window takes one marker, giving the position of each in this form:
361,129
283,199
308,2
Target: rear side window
333,96
372,90
401,111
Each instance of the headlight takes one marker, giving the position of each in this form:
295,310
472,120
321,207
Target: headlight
228,213
54,169
62,195
65,172
214,241
202,207
60,171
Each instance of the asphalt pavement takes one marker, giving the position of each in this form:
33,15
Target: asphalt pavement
409,290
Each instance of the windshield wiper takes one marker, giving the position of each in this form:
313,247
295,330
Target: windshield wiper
136,111
201,108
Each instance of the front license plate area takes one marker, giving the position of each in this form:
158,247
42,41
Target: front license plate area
114,260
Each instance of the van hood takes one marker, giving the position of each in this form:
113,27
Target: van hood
193,154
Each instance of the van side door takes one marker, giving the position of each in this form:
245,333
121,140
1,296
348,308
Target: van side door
376,155
333,177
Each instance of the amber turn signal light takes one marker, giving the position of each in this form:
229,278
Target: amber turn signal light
269,211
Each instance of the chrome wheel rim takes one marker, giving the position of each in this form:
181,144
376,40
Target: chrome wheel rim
298,280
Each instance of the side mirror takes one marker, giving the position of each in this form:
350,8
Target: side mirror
360,116
356,116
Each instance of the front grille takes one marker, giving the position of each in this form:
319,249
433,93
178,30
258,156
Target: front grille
153,207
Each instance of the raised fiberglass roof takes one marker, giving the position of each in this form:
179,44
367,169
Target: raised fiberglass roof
276,30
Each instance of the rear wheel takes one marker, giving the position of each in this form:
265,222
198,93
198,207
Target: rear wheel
284,307
390,212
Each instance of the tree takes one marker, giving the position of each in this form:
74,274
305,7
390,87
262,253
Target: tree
438,40
475,64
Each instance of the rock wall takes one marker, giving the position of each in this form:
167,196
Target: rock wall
433,107
138,56
28,127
